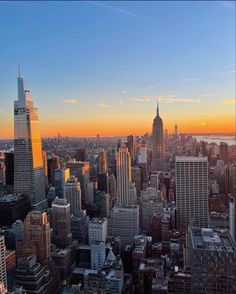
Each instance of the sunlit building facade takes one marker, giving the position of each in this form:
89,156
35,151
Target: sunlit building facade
29,176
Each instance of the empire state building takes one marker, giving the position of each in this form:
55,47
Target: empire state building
28,163
157,142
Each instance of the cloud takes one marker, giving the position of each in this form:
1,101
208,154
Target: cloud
142,99
121,101
102,105
178,100
228,4
124,92
229,101
113,8
71,101
189,80
207,95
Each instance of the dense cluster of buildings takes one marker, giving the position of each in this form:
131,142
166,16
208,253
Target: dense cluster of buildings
148,214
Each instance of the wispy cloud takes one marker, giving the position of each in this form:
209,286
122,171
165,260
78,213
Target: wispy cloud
228,4
102,105
113,8
71,101
124,92
189,80
142,99
229,101
207,95
178,100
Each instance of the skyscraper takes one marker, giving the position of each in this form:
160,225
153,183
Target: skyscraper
61,223
73,195
191,190
37,237
102,162
157,142
123,170
3,270
28,163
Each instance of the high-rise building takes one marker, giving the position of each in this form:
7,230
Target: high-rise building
9,171
3,269
131,144
224,151
33,277
61,223
28,162
211,256
191,175
73,195
97,230
80,154
157,142
61,175
125,222
37,237
123,170
98,255
102,162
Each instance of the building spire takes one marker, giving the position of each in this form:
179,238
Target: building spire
19,74
157,108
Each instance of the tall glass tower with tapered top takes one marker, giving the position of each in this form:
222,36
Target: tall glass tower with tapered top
157,142
28,163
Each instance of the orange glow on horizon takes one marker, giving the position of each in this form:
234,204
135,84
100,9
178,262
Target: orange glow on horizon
124,128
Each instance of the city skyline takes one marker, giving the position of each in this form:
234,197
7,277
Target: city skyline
84,85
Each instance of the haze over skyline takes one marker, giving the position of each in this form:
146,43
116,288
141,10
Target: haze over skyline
98,67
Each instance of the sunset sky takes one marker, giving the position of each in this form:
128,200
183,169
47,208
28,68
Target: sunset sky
99,67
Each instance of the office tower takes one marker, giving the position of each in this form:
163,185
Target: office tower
79,227
191,175
154,180
53,163
13,207
37,237
97,230
112,185
9,171
73,195
102,182
45,166
3,269
61,175
211,255
18,230
142,156
125,223
176,131
149,205
89,193
224,151
132,194
81,170
33,277
136,178
157,142
102,162
94,281
132,147
61,223
123,170
80,154
28,162
98,255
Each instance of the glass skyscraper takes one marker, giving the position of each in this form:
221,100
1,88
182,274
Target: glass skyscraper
28,163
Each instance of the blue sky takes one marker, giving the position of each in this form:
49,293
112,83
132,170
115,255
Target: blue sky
88,62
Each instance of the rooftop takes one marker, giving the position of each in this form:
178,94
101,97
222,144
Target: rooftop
212,240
